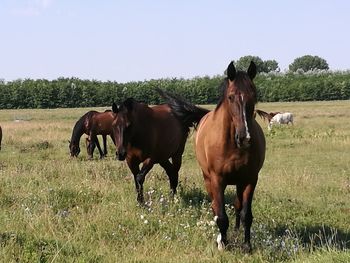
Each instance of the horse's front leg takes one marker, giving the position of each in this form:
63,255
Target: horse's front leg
140,178
247,215
112,138
238,206
218,206
134,166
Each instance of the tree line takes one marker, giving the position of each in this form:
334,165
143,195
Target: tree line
74,92
308,78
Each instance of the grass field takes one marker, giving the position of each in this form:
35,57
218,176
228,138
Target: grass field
57,209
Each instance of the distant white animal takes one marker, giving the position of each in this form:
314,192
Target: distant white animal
281,118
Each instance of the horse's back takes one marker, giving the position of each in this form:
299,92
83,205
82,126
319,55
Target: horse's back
162,133
167,127
101,122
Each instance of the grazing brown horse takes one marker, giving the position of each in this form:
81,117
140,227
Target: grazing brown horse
230,149
0,136
149,135
92,123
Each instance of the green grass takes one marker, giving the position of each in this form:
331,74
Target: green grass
54,209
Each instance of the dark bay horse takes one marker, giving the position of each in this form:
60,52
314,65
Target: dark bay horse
92,123
150,135
230,149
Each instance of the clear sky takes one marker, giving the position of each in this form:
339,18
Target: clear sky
138,39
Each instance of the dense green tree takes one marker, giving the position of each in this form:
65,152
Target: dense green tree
308,62
73,92
262,66
244,62
270,65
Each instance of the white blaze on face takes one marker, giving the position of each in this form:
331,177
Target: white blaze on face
245,121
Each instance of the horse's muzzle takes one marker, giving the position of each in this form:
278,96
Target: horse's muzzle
242,142
121,155
74,155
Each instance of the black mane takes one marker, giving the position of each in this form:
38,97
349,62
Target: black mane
127,104
78,129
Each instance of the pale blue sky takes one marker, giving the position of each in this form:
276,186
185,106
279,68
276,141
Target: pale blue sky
137,40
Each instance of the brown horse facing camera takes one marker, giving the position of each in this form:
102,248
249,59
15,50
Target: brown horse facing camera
230,149
92,123
150,135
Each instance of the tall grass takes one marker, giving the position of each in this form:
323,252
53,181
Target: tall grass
55,209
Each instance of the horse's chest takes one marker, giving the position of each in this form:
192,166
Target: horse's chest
233,168
235,164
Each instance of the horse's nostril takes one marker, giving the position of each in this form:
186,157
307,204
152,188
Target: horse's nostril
242,141
237,138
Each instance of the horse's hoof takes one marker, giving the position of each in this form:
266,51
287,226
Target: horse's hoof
172,194
247,248
221,243
140,200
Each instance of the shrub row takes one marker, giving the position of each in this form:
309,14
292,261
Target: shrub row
73,92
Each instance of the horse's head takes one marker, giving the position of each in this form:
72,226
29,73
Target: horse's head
74,149
240,96
122,126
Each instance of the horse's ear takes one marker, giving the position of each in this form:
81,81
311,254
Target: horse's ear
115,108
252,70
231,71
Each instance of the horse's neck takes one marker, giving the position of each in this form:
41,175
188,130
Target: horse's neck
143,115
224,123
142,120
78,131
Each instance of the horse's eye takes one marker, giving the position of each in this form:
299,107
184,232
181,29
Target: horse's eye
231,97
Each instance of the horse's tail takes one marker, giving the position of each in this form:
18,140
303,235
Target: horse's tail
264,115
188,114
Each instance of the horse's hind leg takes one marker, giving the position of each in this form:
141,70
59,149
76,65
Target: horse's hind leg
104,138
246,214
172,173
218,206
90,147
